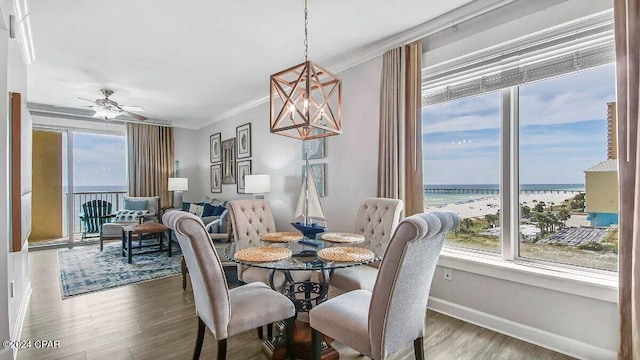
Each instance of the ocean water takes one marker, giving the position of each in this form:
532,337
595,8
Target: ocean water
441,194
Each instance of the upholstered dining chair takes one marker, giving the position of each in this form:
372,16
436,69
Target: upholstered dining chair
377,218
250,219
225,312
379,323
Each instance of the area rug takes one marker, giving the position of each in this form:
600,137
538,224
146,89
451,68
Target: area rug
87,269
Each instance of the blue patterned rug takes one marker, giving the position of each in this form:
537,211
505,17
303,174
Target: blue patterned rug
87,269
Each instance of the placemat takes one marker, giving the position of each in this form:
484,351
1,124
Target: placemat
281,237
346,254
263,254
340,237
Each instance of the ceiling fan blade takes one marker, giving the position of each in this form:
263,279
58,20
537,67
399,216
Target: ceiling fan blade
87,100
134,116
132,108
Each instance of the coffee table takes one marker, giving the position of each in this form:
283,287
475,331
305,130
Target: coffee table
141,230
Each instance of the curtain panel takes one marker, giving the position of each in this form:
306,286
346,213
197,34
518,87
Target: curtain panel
627,39
400,142
150,158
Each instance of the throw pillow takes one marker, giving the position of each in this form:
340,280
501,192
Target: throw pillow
196,209
136,204
209,210
128,215
219,210
185,206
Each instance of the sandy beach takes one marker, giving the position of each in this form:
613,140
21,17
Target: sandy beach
490,205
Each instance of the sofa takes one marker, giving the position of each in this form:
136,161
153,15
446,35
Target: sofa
135,210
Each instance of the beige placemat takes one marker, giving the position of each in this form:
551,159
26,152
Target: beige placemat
339,237
346,254
281,237
263,254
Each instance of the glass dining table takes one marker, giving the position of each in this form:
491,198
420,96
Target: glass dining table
302,287
304,291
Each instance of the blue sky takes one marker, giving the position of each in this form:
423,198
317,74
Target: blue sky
563,131
99,160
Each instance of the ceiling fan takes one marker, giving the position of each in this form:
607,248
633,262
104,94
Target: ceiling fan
109,109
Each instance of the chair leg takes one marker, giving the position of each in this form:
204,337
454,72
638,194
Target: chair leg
316,344
183,269
418,348
288,328
260,333
199,339
270,331
222,349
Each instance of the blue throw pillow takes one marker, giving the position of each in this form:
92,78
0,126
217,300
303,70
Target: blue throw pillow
134,204
185,206
209,210
218,210
222,228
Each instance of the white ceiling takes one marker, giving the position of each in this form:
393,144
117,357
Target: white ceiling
189,61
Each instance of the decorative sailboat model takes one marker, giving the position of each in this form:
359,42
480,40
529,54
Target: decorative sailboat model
309,208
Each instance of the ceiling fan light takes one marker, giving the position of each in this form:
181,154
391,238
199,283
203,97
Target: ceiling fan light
106,114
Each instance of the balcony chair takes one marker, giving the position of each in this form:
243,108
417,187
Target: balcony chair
377,218
379,323
113,230
94,214
225,312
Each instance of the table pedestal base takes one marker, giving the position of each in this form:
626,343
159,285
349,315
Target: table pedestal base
301,345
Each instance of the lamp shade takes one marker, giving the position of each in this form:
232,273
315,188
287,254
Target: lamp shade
257,184
178,184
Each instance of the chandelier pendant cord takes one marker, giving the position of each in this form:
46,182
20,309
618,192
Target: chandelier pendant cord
306,31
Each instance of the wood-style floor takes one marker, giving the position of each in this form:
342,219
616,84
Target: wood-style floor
156,320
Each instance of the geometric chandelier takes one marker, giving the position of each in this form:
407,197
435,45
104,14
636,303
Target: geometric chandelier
306,100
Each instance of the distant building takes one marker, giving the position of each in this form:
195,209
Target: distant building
601,180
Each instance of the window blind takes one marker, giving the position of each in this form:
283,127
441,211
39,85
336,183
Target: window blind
545,59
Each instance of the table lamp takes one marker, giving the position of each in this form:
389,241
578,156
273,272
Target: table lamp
258,185
178,185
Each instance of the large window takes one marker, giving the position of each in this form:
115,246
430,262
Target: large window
524,150
462,167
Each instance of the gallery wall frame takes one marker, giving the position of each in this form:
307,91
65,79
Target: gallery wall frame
244,168
216,178
229,161
215,148
243,141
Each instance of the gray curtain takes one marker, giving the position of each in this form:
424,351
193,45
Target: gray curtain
150,157
627,38
400,143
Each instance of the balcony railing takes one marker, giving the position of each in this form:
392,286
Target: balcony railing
79,198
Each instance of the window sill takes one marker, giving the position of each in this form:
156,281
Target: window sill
595,284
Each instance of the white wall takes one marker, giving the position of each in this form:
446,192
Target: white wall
579,325
13,266
351,158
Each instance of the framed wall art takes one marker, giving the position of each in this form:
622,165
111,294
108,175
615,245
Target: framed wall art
244,168
313,149
216,178
243,138
215,147
229,161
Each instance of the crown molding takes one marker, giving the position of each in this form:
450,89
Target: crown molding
36,109
373,50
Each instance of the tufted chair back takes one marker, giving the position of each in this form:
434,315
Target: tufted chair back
210,290
377,219
250,219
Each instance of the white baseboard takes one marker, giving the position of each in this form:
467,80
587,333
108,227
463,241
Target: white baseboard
22,313
523,332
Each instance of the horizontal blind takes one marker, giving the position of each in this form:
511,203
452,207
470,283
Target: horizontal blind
573,54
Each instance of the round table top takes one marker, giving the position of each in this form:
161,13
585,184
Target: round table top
304,258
